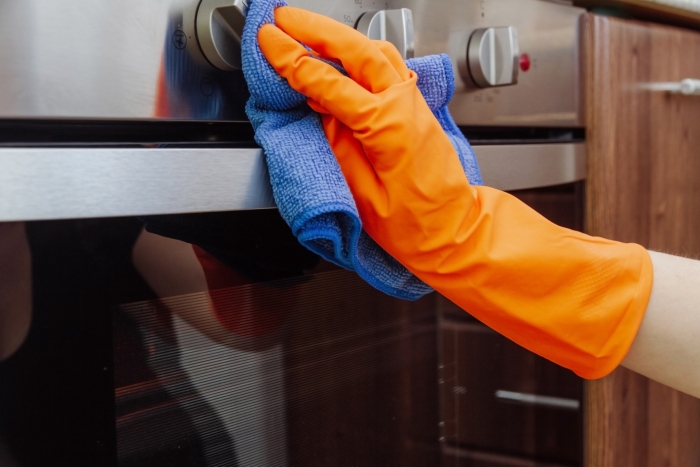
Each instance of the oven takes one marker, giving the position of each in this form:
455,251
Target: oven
155,310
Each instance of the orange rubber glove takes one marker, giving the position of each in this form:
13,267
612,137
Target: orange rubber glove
574,299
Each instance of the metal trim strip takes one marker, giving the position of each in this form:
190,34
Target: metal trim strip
519,167
61,183
81,183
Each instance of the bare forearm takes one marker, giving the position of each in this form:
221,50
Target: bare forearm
667,346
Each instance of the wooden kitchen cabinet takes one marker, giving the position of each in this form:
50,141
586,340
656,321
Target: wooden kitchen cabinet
478,364
643,186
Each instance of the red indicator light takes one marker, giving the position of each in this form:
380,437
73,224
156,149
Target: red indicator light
525,62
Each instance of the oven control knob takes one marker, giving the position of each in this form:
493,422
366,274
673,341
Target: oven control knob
219,26
492,57
395,26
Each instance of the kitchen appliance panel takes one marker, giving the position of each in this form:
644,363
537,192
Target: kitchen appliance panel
348,378
122,59
138,355
312,368
128,337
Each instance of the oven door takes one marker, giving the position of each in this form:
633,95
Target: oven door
155,310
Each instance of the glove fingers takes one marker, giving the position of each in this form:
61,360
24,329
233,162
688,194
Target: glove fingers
359,55
394,57
316,107
357,169
329,59
340,95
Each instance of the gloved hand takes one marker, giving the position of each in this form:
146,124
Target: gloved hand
574,299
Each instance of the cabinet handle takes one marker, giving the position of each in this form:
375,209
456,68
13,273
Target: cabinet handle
537,400
687,87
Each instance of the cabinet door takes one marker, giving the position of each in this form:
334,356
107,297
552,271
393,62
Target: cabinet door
643,186
499,398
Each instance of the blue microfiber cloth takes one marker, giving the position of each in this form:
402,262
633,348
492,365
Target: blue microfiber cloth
308,185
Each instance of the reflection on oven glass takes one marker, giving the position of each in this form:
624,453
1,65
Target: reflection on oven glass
211,366
302,369
15,287
56,385
313,371
206,340
221,402
190,88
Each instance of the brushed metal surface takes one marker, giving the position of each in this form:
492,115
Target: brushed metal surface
80,183
519,167
41,184
139,59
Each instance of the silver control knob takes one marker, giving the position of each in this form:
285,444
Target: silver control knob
492,57
219,28
395,26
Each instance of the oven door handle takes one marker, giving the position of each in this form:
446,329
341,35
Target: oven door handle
61,183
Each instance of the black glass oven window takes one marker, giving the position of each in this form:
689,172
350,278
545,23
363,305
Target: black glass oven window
217,340
321,370
210,340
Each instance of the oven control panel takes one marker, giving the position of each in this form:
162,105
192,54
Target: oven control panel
218,27
516,62
491,59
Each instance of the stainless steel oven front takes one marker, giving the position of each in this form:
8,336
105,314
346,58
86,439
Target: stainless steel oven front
156,310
